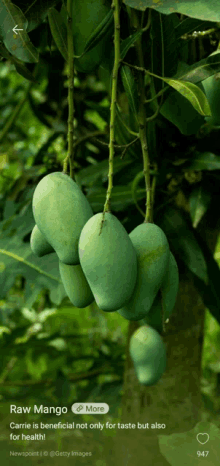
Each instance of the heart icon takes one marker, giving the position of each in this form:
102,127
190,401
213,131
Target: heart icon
202,438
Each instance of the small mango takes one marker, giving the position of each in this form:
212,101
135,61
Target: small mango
108,260
164,302
60,211
152,251
39,245
76,285
148,353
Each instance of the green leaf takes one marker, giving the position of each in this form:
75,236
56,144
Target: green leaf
59,31
36,13
191,92
19,66
131,93
183,241
180,112
17,43
22,70
39,273
101,30
123,136
36,367
89,175
198,202
127,43
201,9
210,293
164,46
200,70
121,197
134,186
204,161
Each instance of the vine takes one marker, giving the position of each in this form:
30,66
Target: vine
71,108
142,123
116,11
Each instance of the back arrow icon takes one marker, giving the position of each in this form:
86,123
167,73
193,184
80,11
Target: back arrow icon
15,30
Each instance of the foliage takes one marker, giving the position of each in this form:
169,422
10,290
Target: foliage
38,325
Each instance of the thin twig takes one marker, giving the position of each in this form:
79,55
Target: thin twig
116,10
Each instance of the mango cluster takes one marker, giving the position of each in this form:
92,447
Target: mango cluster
135,275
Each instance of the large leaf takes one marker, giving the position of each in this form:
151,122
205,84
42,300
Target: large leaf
198,202
201,9
17,43
59,31
183,241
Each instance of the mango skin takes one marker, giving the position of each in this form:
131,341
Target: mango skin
166,297
108,260
148,353
152,251
60,211
39,245
76,285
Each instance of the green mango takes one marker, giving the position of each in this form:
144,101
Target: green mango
87,16
108,260
148,353
212,90
39,244
166,297
152,251
60,211
76,285
154,316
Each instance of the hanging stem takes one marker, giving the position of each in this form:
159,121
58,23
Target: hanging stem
142,122
116,10
70,75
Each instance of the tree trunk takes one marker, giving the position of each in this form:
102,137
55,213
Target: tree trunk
176,399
